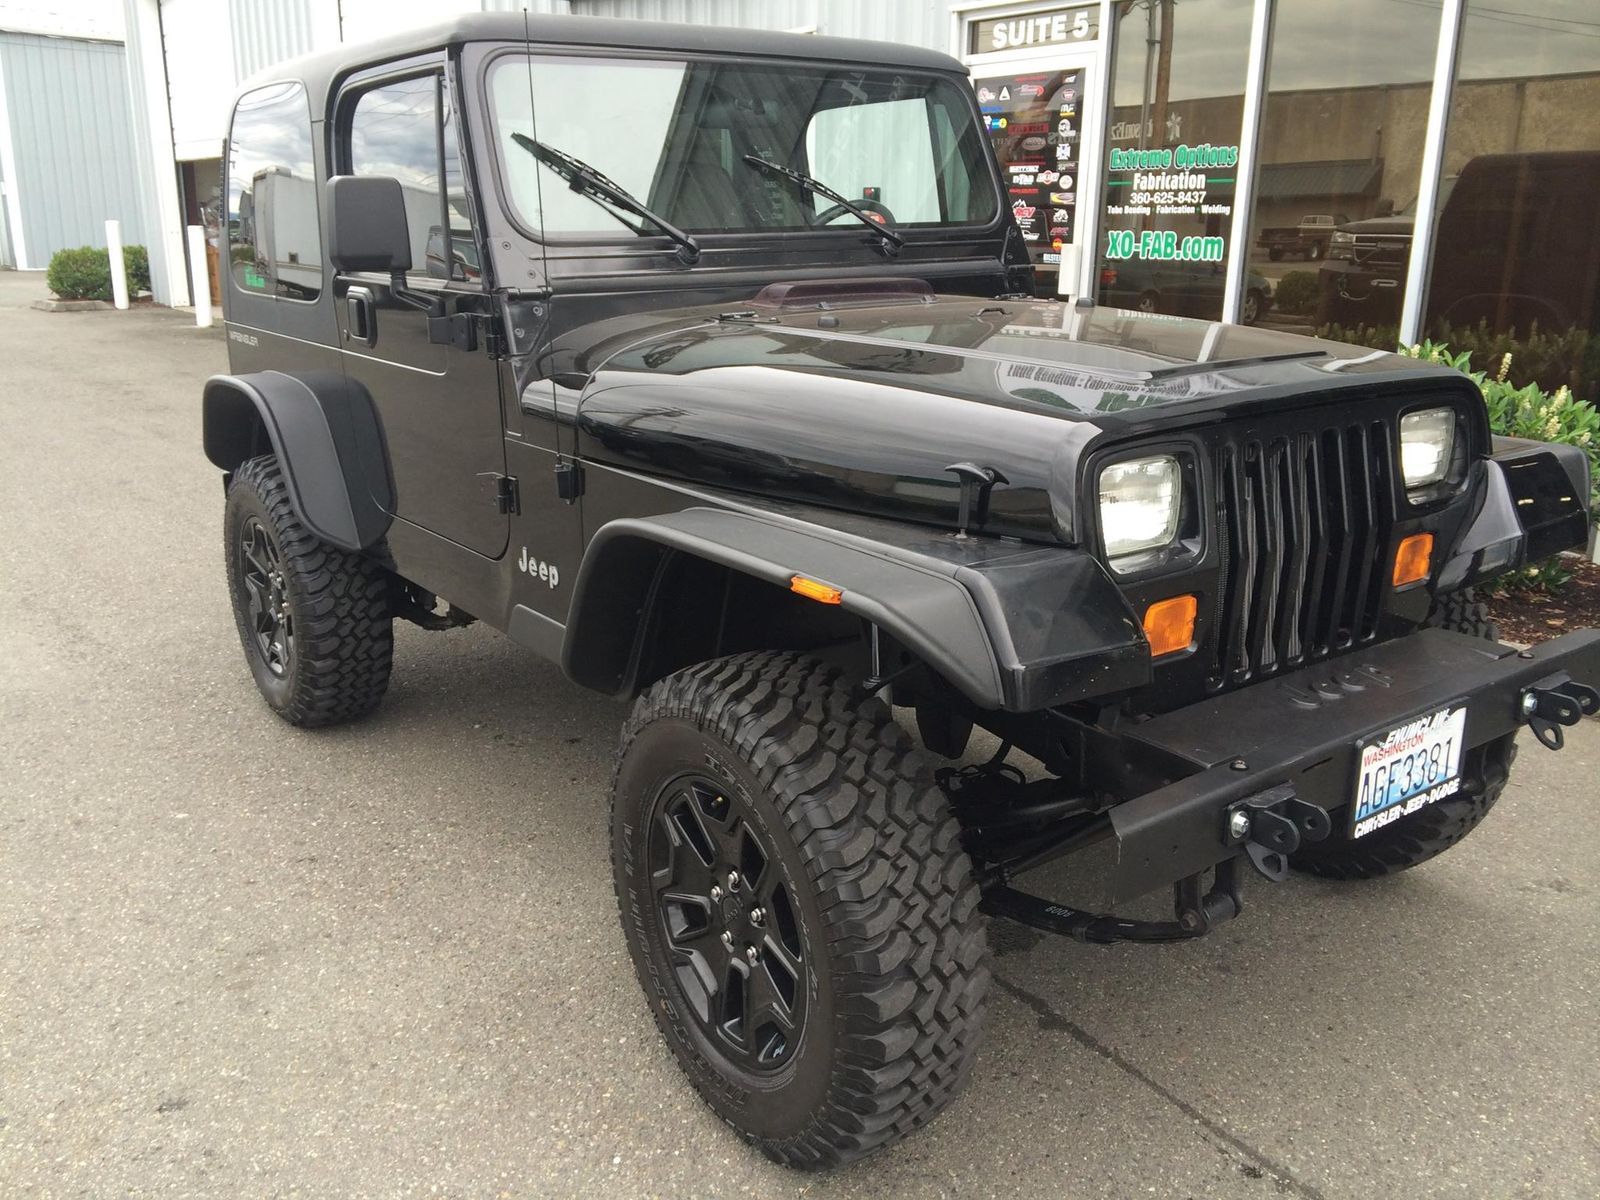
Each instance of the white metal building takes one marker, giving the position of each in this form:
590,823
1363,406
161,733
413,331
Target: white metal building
1398,168
66,153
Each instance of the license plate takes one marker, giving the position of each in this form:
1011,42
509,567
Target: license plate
1408,768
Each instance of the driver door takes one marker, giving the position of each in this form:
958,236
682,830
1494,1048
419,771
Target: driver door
439,404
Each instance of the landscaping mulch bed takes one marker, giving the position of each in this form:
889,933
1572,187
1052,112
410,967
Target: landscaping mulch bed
1530,617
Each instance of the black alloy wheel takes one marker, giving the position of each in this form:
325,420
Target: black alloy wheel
728,920
313,619
797,904
266,597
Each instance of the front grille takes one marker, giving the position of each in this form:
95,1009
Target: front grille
1306,518
1394,249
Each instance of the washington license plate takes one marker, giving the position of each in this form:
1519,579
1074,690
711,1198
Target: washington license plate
1408,768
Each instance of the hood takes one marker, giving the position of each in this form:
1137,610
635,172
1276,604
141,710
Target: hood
1394,224
866,407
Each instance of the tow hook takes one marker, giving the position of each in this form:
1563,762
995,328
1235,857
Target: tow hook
1271,825
1555,701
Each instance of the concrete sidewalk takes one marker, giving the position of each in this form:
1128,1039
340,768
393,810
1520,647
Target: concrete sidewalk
239,960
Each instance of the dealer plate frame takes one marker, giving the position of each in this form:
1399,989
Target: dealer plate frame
1363,821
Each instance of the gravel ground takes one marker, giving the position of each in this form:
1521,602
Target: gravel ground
238,960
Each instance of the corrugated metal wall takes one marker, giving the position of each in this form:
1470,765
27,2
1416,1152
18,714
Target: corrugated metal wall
912,22
8,257
559,7
267,32
72,133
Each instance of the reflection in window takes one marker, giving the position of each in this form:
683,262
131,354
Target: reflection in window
1346,115
908,143
274,236
395,131
1172,145
1516,257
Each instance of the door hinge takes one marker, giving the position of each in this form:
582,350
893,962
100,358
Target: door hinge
569,480
507,499
461,332
494,341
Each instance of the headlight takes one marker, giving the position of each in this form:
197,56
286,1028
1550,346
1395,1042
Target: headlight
1342,239
1140,502
1427,446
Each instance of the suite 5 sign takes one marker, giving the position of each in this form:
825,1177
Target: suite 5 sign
1068,26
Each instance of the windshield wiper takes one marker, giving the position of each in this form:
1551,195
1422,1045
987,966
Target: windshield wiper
889,236
586,181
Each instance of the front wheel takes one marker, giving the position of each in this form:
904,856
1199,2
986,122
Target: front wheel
798,907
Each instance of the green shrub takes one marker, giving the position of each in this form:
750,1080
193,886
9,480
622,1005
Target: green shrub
85,273
1296,293
136,262
81,274
1528,411
1378,337
1569,359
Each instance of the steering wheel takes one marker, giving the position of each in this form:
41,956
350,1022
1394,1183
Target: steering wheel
839,210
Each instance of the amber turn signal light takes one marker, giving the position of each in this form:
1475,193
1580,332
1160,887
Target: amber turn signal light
1413,560
815,589
1169,624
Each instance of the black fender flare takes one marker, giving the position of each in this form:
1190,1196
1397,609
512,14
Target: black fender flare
983,626
325,432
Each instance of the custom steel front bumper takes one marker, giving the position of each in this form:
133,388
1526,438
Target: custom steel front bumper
1297,736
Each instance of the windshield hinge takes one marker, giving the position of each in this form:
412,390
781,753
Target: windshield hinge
507,499
569,480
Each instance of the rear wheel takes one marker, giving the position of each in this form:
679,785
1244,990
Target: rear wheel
313,619
1432,830
798,907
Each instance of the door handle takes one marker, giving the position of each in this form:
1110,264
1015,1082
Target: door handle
361,317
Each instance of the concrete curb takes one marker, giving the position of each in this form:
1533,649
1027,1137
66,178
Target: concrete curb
73,305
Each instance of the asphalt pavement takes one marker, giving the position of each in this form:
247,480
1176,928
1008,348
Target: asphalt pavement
241,960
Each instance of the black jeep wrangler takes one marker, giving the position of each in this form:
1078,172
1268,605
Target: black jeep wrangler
706,363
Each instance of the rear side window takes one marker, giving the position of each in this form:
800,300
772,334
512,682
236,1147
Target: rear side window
274,235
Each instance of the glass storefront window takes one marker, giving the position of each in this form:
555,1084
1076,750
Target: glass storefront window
1172,149
1341,137
1516,255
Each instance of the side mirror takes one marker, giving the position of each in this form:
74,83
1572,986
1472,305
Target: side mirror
367,228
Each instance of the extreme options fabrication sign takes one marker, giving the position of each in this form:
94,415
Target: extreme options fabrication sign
1173,191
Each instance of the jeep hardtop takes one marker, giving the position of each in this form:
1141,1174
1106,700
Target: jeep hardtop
706,363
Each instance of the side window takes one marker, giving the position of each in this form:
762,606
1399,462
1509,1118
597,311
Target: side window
274,234
403,129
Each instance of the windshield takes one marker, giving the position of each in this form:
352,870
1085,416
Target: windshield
675,134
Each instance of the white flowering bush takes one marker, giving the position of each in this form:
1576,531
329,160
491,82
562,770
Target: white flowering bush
1530,412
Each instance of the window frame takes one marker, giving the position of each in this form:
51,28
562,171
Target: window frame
651,242
343,101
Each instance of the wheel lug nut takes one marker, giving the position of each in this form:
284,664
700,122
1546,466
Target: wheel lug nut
733,881
750,953
727,939
757,916
716,893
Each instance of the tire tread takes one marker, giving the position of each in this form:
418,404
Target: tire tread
344,635
908,950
